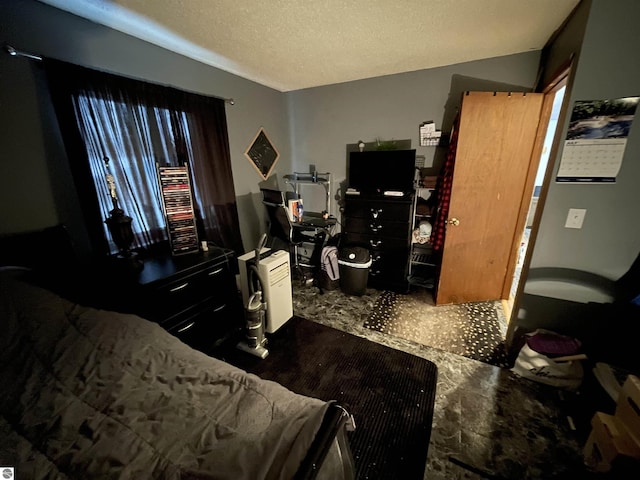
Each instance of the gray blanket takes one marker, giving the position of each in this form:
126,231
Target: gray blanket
88,393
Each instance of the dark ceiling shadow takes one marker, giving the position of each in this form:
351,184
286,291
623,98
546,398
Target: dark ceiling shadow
459,85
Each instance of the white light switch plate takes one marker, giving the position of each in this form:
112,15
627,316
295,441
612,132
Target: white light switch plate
575,218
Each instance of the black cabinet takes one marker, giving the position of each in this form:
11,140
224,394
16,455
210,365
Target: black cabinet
192,296
382,224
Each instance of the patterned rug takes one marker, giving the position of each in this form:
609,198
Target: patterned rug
474,330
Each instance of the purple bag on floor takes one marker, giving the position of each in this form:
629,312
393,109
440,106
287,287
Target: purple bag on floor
552,344
550,358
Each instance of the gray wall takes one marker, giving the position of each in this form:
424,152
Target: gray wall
32,163
610,238
605,66
324,120
308,127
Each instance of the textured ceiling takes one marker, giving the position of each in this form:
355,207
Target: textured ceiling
294,44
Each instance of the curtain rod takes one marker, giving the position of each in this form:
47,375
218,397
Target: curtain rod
18,53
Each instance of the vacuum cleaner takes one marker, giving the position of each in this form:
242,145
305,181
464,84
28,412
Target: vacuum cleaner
255,310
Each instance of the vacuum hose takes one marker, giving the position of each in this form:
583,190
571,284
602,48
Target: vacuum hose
261,243
254,277
255,320
256,308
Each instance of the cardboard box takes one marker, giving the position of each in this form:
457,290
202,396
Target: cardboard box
429,181
628,407
608,443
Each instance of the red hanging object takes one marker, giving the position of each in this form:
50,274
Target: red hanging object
443,190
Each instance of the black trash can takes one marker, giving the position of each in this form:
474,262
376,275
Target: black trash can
354,263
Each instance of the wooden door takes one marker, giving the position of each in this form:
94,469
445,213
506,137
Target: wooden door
496,137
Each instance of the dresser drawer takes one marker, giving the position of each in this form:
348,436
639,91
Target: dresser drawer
207,323
192,296
375,242
184,291
394,280
386,261
391,265
376,227
380,211
168,299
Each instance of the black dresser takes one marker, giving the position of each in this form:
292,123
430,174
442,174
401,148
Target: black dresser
192,296
382,224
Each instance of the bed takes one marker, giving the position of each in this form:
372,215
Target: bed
91,393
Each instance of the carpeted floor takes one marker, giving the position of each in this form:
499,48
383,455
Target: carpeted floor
473,330
390,393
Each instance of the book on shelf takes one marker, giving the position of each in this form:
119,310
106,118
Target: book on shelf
295,210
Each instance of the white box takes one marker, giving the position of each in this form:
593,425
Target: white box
275,276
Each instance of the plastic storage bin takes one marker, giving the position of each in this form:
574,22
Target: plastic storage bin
354,263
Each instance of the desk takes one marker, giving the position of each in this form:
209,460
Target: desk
313,221
319,228
316,220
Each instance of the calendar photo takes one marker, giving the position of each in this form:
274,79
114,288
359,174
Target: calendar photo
596,140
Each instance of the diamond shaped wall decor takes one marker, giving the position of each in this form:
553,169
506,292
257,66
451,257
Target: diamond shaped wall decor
262,154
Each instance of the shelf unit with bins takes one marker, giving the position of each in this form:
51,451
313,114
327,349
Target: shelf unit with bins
424,261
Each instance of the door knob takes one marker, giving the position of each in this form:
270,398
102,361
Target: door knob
454,221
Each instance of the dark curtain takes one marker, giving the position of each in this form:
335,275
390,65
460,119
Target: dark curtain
137,125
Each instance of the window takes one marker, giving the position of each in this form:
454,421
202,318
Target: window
133,159
138,125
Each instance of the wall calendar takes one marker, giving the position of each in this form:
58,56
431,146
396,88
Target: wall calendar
596,140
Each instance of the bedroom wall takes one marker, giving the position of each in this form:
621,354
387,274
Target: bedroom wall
608,243
308,127
325,119
37,188
610,238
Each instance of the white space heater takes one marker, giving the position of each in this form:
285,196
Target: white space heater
274,271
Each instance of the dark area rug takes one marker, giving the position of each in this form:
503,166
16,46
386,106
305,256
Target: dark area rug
390,393
474,330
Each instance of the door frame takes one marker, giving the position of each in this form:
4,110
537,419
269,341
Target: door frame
527,193
563,78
